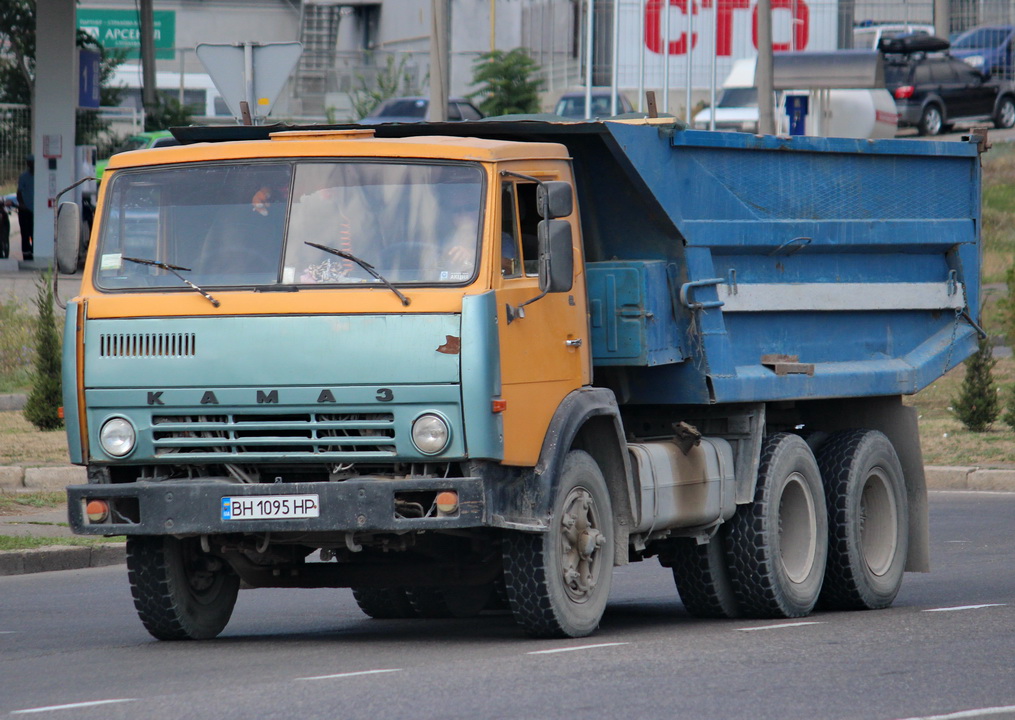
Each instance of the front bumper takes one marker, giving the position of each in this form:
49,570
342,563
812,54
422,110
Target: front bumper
194,507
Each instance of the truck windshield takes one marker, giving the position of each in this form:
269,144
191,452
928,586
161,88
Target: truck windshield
232,224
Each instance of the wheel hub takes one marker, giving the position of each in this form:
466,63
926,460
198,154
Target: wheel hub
797,531
580,543
878,523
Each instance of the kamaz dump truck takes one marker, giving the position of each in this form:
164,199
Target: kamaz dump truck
456,366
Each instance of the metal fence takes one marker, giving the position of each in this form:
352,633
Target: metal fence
680,49
15,142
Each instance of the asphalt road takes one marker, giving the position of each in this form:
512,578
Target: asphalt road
947,646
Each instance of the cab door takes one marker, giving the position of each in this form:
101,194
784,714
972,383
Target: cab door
544,346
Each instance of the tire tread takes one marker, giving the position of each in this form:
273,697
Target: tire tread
844,587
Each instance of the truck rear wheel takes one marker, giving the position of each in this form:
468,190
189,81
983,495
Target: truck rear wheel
384,603
180,592
702,577
868,521
558,581
779,543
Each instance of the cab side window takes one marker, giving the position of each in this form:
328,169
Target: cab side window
528,220
510,262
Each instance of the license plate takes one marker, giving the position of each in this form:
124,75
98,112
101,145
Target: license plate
274,507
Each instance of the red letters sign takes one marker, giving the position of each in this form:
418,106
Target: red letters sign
724,25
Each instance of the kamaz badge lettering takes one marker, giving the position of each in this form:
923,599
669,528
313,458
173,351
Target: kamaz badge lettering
269,397
155,398
385,395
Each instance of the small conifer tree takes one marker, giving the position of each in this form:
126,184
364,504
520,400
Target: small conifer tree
977,405
507,82
42,408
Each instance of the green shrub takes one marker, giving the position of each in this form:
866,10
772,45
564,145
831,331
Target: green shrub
42,409
507,82
977,405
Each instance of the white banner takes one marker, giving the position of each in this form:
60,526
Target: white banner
728,28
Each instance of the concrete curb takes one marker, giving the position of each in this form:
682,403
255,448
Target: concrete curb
970,478
60,557
54,477
13,402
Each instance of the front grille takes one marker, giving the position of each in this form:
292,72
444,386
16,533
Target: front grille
142,345
368,434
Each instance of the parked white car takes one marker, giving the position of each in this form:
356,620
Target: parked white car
869,113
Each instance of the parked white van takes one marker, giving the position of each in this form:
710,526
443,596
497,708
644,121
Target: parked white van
869,113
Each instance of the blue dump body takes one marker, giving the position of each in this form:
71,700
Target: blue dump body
725,267
856,261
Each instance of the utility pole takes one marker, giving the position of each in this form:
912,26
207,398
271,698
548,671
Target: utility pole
439,71
493,25
149,95
942,18
763,71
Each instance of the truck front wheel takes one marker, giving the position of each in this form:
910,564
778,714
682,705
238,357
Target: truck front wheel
779,542
558,581
868,520
180,592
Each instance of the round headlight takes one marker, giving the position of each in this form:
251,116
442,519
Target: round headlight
430,434
117,437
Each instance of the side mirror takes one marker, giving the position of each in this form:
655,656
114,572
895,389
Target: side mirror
556,256
68,237
553,199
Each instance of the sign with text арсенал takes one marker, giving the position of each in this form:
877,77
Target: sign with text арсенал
119,29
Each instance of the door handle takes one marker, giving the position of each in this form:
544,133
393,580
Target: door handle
576,343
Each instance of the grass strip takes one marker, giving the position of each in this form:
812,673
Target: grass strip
15,542
11,504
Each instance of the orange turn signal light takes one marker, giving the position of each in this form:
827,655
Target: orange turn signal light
447,502
499,406
97,511
59,412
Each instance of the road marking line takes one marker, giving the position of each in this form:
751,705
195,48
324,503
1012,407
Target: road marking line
71,706
350,674
979,712
572,649
966,607
780,626
8,632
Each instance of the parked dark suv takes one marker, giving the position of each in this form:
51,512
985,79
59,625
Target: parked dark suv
932,89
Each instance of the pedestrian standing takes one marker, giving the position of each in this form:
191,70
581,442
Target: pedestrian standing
26,208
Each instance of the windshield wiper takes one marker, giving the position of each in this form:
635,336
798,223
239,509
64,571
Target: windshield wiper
363,264
173,269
